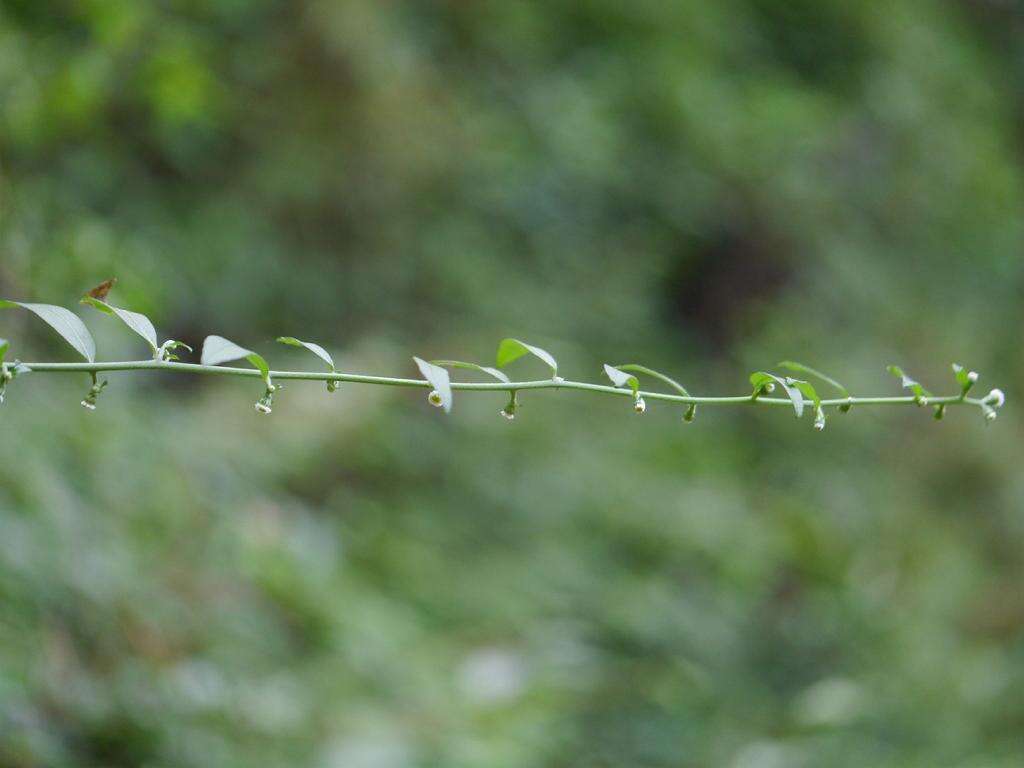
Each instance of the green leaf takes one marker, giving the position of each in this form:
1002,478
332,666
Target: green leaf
218,350
909,383
134,320
761,381
4,346
63,321
961,375
438,378
792,387
622,379
316,349
964,378
510,350
499,375
806,369
809,392
660,376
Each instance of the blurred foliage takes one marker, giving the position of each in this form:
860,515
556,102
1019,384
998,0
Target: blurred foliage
361,582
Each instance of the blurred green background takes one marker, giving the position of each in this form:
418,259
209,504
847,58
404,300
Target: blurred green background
358,581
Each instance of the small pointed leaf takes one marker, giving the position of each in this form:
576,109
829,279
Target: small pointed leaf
134,320
4,346
961,374
316,349
438,378
622,379
499,375
510,350
964,378
760,381
218,350
660,376
801,368
63,321
909,383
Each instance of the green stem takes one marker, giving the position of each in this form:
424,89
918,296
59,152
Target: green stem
390,381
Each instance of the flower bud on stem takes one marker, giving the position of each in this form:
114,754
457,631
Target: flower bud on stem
89,403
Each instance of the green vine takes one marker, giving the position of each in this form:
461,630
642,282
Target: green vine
801,395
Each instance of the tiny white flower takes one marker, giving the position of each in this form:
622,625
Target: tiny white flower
769,387
262,407
639,406
434,398
88,406
990,415
996,398
972,376
819,419
510,415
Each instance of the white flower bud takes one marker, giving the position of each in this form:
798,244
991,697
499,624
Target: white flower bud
990,416
769,387
506,413
88,406
819,419
996,398
639,406
434,398
972,376
262,407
